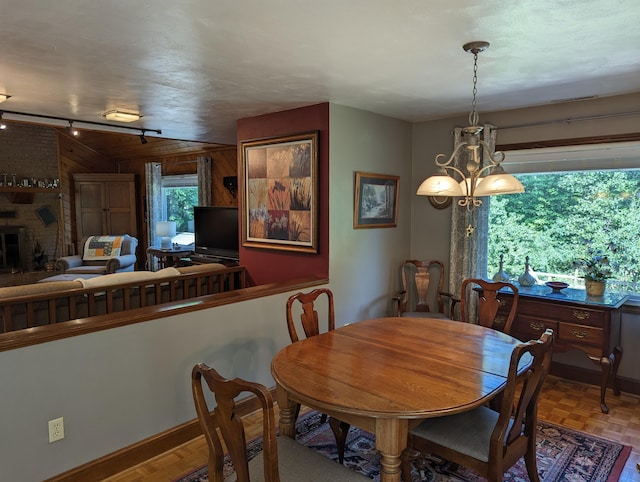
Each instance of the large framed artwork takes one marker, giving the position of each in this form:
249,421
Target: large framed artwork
280,199
376,201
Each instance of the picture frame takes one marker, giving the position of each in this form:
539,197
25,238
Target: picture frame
280,193
376,200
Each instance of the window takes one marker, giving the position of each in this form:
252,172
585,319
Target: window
179,195
560,214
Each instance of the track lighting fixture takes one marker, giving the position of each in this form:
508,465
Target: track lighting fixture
143,139
119,116
3,126
19,115
74,132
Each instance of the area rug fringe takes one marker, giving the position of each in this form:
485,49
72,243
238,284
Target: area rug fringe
563,454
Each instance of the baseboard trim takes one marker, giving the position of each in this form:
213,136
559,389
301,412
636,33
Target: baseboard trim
591,377
132,455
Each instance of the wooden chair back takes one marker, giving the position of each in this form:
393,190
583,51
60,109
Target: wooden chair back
311,327
422,288
224,424
488,303
514,435
309,314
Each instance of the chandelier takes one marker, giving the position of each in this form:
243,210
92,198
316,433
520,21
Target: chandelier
484,175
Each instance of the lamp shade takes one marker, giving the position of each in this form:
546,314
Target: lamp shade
499,184
166,230
441,185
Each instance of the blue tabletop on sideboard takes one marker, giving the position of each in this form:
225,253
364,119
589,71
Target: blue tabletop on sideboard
572,295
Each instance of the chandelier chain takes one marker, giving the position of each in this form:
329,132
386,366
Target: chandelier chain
473,116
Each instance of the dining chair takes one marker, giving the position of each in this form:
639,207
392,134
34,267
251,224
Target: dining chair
310,326
487,441
422,294
488,303
282,458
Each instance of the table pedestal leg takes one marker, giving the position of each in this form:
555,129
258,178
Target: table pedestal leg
391,440
288,414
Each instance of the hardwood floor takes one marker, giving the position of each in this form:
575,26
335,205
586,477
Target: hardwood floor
572,404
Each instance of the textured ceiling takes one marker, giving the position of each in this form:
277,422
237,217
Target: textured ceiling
193,67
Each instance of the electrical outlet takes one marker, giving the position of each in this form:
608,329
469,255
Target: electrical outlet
56,429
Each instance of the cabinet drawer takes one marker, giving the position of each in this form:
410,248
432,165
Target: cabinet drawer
527,328
581,334
572,314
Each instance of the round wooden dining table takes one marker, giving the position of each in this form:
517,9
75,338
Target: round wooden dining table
383,374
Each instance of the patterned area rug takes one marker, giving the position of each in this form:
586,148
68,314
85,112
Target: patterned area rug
563,455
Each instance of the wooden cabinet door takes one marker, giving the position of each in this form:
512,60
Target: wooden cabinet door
90,214
120,204
105,204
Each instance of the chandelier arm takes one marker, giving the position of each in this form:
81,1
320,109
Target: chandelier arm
496,158
485,168
450,160
456,170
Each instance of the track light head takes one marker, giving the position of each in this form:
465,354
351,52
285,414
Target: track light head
74,132
3,126
143,139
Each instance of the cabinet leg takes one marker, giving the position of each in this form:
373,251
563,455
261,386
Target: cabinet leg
617,358
606,366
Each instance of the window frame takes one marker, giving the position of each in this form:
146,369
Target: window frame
596,154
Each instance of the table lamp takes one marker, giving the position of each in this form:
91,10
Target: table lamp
166,230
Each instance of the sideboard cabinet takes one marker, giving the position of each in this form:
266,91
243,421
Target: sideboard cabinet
105,204
588,324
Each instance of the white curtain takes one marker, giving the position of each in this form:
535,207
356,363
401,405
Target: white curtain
204,181
468,251
153,178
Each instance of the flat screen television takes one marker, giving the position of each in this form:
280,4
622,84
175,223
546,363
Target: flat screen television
216,231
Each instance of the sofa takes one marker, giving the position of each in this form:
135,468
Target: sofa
101,255
45,303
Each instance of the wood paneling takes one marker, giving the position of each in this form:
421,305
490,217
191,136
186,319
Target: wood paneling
127,147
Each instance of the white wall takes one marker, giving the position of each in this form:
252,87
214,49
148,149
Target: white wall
119,386
364,264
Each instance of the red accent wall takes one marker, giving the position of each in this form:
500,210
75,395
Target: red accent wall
267,265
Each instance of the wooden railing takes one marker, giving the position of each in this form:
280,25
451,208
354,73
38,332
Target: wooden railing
23,312
44,334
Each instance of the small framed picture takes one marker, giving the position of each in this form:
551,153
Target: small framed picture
376,200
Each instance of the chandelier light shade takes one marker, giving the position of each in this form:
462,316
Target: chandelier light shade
484,175
120,116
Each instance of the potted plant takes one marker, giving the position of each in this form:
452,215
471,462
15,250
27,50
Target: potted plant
597,268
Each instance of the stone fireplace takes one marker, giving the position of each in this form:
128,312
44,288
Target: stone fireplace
29,151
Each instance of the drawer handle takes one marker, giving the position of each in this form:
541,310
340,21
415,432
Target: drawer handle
581,315
537,326
579,334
